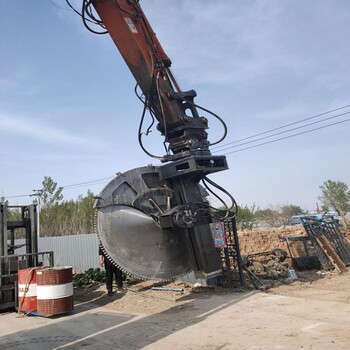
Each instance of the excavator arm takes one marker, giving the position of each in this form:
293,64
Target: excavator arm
131,32
154,221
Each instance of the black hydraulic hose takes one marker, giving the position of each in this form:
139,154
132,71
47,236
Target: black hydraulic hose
85,6
234,204
214,115
140,133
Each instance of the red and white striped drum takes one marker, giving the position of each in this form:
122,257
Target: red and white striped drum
54,290
27,289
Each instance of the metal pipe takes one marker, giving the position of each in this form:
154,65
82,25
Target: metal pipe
168,289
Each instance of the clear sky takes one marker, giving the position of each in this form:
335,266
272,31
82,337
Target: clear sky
68,109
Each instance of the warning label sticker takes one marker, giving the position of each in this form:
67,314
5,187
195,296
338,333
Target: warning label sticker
131,25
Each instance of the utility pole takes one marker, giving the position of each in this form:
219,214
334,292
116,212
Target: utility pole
38,194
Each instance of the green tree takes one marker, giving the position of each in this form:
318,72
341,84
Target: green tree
270,216
246,217
279,216
13,214
291,210
49,199
65,217
336,195
87,212
50,194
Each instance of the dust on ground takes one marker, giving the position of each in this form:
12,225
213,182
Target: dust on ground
312,312
317,285
140,298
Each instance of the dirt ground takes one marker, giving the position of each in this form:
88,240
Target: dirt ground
328,286
312,312
140,298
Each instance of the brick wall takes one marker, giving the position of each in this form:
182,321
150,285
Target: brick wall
256,241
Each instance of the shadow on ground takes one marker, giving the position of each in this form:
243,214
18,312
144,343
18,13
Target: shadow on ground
99,328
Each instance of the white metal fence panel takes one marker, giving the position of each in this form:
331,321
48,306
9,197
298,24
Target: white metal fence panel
78,251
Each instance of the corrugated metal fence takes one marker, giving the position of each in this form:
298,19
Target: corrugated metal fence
79,251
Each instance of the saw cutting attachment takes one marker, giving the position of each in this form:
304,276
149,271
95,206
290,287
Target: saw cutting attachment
127,227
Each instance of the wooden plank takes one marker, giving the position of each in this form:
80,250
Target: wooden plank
331,254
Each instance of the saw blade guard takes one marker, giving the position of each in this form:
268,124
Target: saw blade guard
128,232
139,246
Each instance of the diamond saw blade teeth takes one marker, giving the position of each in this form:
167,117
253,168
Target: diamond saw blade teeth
143,278
126,227
133,242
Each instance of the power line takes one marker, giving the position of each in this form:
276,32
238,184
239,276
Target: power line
288,137
285,131
19,196
283,126
105,179
89,182
80,184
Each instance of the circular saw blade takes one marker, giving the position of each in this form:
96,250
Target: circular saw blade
135,243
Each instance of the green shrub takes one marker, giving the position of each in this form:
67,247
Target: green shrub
88,277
